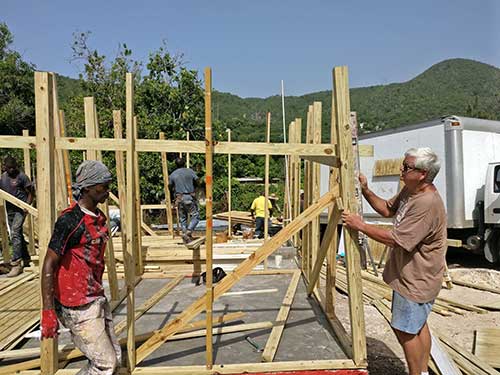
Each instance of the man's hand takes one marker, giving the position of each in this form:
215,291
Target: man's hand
49,324
363,181
353,221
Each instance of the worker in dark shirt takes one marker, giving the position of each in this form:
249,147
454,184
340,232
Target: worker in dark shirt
16,183
183,181
72,288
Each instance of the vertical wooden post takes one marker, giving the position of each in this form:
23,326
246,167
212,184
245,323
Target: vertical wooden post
139,269
315,188
331,257
4,232
229,176
353,269
168,198
307,235
120,179
61,192
29,218
131,225
187,153
66,160
209,237
45,143
266,183
92,132
297,176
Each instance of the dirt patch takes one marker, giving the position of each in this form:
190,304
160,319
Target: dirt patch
385,355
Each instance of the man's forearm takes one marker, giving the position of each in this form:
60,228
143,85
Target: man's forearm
48,285
377,203
378,234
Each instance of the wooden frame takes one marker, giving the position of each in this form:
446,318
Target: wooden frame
337,154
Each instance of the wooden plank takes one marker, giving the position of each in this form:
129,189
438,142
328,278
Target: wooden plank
131,223
168,198
19,203
231,279
65,155
331,161
198,147
342,111
120,178
137,206
209,296
387,167
266,183
4,231
315,179
296,171
487,345
29,219
330,232
277,331
365,150
45,139
443,362
229,187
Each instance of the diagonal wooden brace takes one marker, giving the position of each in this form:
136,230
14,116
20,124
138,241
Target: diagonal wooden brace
231,279
325,245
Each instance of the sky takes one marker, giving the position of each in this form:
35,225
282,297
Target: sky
253,45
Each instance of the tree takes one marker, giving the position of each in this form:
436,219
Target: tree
17,108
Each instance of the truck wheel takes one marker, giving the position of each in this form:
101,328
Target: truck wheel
492,245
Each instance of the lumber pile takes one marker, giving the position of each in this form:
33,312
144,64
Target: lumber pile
487,345
374,288
237,217
19,308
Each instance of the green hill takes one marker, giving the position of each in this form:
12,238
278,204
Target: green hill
456,86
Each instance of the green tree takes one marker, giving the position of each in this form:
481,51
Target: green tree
17,109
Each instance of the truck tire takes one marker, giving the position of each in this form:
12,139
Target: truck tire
492,245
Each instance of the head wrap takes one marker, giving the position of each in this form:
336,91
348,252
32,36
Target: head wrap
90,173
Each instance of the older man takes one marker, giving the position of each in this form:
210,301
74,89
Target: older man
416,265
72,288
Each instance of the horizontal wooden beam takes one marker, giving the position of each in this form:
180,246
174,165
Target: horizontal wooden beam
331,161
174,146
17,141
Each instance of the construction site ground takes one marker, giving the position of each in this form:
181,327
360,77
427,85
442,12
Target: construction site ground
385,356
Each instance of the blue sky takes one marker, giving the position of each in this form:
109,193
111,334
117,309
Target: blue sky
252,45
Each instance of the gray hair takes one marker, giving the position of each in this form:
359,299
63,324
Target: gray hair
427,160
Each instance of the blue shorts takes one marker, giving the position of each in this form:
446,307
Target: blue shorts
409,316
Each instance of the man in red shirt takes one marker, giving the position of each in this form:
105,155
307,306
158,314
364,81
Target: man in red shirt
72,287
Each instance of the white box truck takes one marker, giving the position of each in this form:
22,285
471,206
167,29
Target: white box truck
469,179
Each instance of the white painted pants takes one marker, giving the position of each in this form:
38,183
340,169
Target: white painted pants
92,331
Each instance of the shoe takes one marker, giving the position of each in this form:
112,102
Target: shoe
185,239
16,270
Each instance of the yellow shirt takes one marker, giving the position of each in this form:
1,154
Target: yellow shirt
258,205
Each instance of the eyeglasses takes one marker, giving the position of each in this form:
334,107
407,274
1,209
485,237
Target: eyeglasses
405,168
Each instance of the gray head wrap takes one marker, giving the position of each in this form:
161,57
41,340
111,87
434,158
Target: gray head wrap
90,173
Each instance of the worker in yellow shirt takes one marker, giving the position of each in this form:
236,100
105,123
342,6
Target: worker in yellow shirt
258,211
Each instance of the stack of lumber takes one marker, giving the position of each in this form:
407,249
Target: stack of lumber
237,217
171,257
19,308
374,288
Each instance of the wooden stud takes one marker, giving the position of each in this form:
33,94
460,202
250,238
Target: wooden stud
90,127
66,159
168,198
315,188
208,208
231,279
297,172
4,232
277,331
19,203
131,223
29,219
139,267
331,257
229,187
120,179
266,182
45,140
342,109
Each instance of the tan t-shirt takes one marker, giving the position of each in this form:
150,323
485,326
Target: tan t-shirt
416,265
